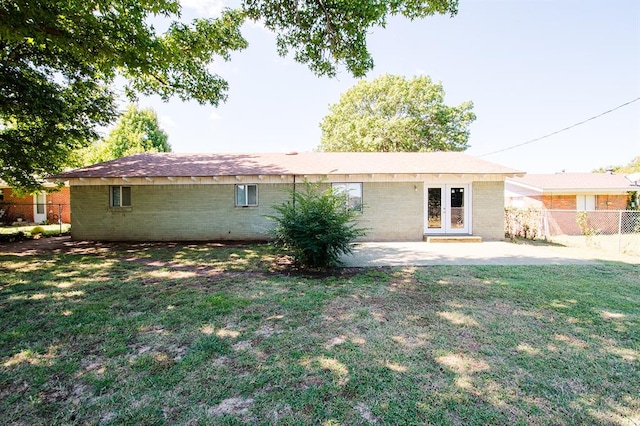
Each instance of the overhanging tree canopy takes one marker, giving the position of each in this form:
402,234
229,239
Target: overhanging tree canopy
392,113
59,58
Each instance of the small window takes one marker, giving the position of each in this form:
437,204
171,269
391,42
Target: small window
1,195
246,195
353,192
120,196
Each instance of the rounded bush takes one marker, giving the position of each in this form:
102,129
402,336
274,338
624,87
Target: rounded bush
37,230
317,227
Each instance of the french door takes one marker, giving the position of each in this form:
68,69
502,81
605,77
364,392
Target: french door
447,209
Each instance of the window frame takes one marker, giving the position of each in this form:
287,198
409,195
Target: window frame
343,187
120,197
246,194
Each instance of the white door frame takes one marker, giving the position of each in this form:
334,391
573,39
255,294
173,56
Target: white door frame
39,217
446,211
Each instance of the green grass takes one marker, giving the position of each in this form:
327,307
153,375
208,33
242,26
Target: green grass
212,334
49,230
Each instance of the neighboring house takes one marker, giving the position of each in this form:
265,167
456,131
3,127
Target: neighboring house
51,205
574,203
569,191
170,196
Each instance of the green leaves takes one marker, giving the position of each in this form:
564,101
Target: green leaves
137,131
58,60
391,114
316,227
327,33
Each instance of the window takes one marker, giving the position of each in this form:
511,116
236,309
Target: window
353,192
585,202
120,196
246,195
1,195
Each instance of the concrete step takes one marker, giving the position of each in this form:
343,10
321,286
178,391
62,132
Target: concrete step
452,239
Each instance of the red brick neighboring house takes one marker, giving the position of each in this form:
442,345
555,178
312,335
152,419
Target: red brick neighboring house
51,205
565,195
569,191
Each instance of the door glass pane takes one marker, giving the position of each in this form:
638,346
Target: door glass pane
457,208
40,203
434,202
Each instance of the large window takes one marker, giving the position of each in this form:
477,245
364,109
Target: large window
353,192
120,196
246,195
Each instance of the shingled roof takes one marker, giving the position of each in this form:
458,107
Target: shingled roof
308,163
567,182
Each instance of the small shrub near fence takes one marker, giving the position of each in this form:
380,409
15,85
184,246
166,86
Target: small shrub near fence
523,223
617,230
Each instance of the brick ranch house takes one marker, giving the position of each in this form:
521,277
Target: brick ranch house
564,195
569,191
51,205
171,196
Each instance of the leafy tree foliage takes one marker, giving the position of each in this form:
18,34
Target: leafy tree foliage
316,227
632,167
392,113
137,131
324,33
58,60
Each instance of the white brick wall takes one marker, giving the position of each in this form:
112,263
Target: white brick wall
393,211
488,210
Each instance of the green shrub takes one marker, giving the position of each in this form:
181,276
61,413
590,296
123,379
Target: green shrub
37,230
316,227
13,237
582,218
523,223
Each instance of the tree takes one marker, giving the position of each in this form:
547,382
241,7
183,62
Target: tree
392,113
137,131
58,60
316,226
632,167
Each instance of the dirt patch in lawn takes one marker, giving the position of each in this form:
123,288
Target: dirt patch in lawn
65,245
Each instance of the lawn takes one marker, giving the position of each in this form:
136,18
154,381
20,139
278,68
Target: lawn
48,229
211,334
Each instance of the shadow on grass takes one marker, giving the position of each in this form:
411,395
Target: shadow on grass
177,333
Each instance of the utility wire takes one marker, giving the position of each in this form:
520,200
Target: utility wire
561,130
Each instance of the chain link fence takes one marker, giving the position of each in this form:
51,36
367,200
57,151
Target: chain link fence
613,230
44,213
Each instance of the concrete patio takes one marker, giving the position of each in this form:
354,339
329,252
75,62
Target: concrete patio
486,253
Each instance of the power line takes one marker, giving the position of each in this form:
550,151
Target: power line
561,130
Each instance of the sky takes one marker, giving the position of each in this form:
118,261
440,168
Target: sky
531,68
